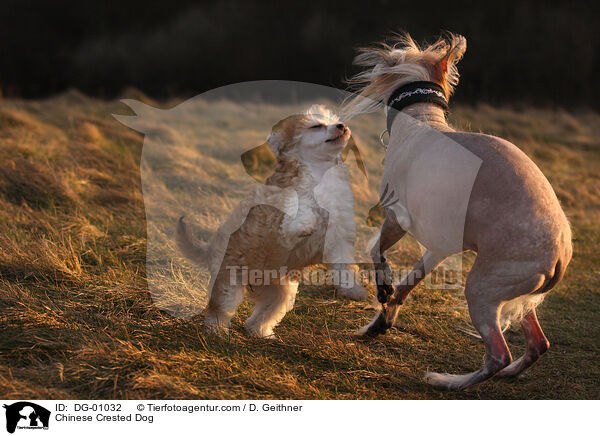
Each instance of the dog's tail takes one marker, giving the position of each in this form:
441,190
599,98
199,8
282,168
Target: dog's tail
192,250
516,309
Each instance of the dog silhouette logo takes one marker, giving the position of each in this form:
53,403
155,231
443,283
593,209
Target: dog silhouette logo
26,415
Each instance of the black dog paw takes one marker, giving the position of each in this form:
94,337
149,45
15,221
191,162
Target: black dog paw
379,327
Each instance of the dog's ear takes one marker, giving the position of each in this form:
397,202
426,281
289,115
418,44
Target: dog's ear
259,162
457,45
352,147
275,141
444,69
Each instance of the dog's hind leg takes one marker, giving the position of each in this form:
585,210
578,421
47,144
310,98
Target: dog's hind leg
386,317
537,344
223,302
497,355
489,286
272,303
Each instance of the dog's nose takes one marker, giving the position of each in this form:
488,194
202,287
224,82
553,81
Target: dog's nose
341,126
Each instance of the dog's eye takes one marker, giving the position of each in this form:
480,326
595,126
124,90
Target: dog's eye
318,126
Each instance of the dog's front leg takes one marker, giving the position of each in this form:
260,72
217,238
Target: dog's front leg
390,233
386,317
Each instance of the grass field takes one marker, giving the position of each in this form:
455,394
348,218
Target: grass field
77,319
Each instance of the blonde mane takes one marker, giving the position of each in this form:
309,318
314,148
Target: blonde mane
390,66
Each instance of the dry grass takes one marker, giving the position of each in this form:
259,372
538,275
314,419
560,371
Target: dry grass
78,320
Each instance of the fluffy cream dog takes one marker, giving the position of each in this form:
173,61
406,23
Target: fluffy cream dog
302,215
456,191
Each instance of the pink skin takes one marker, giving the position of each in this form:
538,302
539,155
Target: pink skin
537,344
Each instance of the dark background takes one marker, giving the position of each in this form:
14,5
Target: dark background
529,52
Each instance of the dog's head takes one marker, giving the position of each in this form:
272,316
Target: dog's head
390,66
317,134
313,136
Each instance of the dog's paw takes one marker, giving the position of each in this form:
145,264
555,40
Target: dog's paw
448,382
306,232
303,225
356,292
273,338
377,326
363,331
260,331
214,325
217,330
